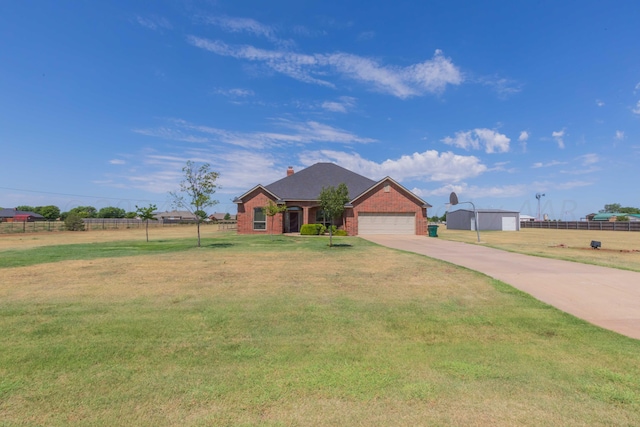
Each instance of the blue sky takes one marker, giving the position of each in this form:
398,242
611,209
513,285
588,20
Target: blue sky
102,103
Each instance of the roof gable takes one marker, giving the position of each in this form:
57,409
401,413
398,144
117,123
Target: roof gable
389,179
308,183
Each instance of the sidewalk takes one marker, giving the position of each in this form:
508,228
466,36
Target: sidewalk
606,297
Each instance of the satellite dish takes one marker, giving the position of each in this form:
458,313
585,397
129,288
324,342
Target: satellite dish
453,199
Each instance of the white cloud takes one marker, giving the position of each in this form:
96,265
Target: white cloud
430,76
524,136
619,135
154,23
559,137
599,103
503,87
366,35
236,92
248,25
429,165
589,159
299,133
492,141
344,104
538,165
637,109
117,162
236,25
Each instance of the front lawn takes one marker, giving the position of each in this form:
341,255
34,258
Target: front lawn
286,331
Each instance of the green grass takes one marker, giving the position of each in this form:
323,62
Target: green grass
87,251
306,335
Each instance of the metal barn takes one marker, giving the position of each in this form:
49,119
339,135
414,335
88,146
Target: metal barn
488,219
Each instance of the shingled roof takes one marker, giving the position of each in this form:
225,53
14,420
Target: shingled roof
307,184
10,213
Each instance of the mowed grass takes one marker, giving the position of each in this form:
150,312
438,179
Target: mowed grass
620,249
285,331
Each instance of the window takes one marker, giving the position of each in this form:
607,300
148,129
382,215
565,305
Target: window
259,219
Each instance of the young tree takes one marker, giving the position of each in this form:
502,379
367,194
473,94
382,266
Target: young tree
227,217
332,201
74,222
196,189
146,214
271,210
202,215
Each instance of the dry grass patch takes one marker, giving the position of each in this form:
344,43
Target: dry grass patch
619,249
33,240
289,332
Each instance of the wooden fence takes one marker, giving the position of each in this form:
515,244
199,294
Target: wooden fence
583,225
103,224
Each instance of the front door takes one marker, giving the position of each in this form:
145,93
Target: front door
292,222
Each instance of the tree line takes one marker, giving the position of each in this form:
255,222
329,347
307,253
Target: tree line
617,208
52,213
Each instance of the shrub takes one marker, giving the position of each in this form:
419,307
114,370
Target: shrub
340,233
308,230
312,229
74,222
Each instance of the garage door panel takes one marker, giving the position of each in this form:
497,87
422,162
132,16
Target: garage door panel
386,223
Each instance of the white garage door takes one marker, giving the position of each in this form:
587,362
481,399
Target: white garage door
509,223
386,223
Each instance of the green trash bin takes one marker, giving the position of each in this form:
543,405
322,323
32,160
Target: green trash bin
433,230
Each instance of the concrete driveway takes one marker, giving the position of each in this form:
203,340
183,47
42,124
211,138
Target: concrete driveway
606,297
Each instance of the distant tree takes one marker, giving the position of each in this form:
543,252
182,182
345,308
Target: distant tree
73,222
622,218
146,214
611,208
629,210
50,212
332,201
271,209
26,208
111,212
131,215
196,190
227,217
84,211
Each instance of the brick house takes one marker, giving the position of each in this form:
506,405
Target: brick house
382,207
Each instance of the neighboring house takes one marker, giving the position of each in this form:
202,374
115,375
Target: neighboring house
527,217
13,215
488,219
375,207
220,217
614,217
174,216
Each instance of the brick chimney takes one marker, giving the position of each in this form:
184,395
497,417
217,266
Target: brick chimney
290,171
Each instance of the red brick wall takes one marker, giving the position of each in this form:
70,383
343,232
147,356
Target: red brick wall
394,201
256,199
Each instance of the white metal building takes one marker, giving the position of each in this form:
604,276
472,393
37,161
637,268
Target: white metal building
488,219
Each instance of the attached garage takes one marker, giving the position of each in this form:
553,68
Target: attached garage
488,219
386,223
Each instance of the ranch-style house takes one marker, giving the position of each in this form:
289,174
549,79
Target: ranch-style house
382,207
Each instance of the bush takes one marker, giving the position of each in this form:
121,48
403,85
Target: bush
311,229
73,222
340,233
